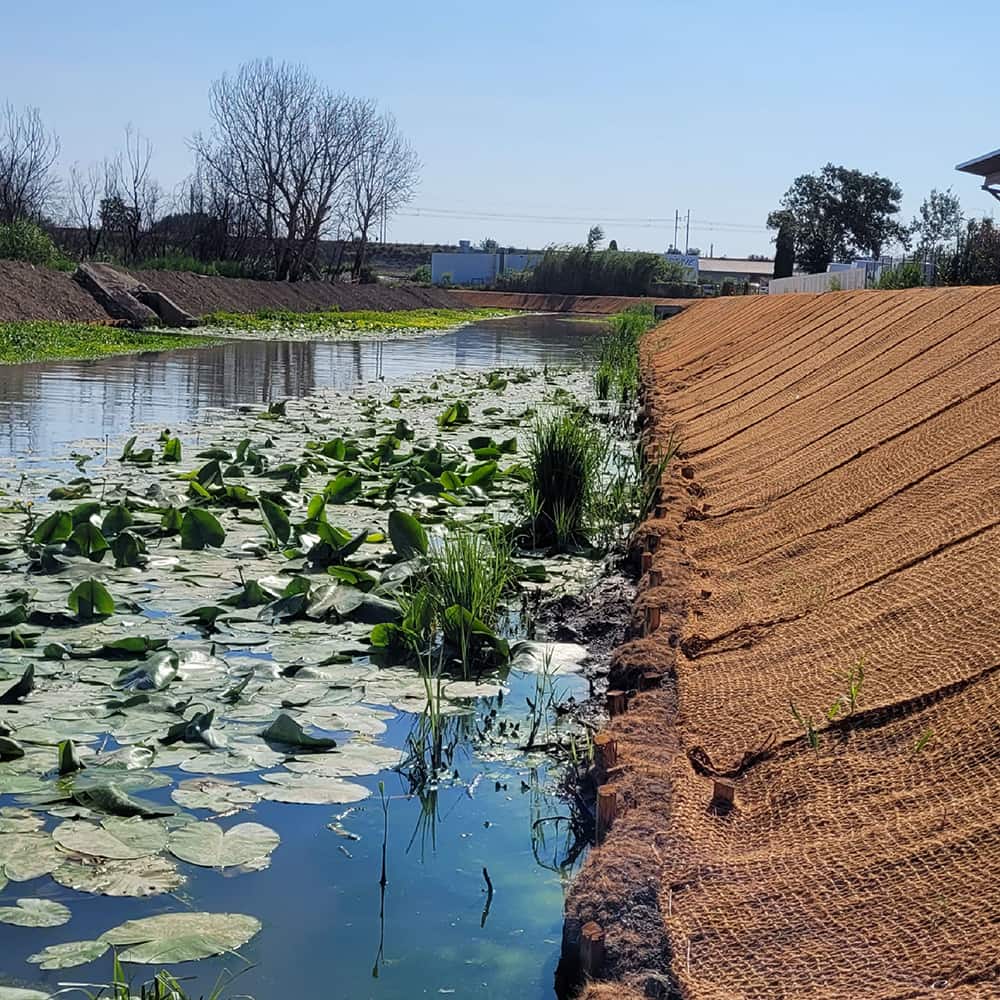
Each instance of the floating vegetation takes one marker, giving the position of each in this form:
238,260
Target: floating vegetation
345,325
50,341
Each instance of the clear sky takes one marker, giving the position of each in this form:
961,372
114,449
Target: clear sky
535,119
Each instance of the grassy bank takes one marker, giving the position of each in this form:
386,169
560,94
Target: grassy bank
47,341
337,322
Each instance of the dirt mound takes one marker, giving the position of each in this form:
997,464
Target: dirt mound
600,305
830,547
38,293
201,294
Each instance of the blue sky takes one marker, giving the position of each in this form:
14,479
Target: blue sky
581,111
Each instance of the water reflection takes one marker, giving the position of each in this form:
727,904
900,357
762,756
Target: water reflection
43,406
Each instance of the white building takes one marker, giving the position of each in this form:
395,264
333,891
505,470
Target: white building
476,267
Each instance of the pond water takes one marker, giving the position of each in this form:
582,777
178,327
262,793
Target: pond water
49,404
329,927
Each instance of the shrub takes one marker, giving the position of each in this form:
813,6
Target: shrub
23,240
907,275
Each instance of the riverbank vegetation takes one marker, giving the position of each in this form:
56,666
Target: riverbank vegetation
335,321
46,341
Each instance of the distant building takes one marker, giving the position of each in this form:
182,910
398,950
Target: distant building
475,267
987,167
717,270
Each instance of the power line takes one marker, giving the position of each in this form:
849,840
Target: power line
642,222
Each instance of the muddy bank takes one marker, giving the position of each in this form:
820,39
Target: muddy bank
600,305
822,568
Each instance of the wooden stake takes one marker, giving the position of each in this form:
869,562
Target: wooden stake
591,949
647,561
723,794
617,703
605,752
652,619
607,810
655,575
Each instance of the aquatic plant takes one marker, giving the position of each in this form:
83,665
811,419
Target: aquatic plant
360,321
45,341
566,454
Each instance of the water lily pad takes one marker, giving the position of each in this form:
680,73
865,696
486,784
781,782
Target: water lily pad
309,789
26,856
220,797
286,731
115,839
63,956
137,877
206,844
181,937
35,913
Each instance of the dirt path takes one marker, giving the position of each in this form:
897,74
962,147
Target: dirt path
837,508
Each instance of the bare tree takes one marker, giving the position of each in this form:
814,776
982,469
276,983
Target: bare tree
83,203
383,177
280,147
28,153
132,198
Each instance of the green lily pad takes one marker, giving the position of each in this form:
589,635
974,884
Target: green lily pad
35,913
135,877
206,844
115,839
64,956
181,937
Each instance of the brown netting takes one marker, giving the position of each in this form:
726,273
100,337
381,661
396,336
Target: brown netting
837,506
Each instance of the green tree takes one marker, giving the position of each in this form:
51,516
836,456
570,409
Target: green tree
939,221
784,249
840,213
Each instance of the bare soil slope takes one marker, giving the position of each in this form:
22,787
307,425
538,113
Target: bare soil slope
38,293
201,294
838,506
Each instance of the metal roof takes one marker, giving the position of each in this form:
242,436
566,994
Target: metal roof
736,265
982,166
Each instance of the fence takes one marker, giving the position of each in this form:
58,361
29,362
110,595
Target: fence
831,281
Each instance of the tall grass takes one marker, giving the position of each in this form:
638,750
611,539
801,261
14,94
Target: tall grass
473,570
566,457
617,372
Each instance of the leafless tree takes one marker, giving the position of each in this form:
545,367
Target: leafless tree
84,191
383,177
132,199
28,153
280,147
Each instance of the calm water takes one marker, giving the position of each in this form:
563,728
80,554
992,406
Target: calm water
43,406
327,928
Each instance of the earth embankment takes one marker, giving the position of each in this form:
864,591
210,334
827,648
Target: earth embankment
828,555
595,305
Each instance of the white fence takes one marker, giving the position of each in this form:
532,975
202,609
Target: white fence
850,280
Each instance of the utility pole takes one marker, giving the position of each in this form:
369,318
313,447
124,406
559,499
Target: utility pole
687,233
677,222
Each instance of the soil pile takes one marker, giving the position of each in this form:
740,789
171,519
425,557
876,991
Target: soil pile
829,549
38,293
201,294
